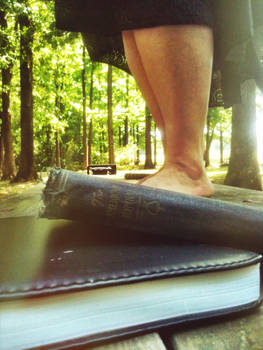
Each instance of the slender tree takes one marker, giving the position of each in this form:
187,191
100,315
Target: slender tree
58,108
155,145
126,120
90,136
137,158
1,151
213,118
8,160
148,140
58,151
26,167
243,168
209,137
120,136
221,144
110,123
47,144
84,108
9,167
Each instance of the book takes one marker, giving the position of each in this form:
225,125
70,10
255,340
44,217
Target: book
117,204
64,284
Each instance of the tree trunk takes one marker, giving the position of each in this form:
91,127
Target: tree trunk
243,169
1,152
58,158
100,144
137,158
59,108
110,127
90,136
133,132
48,147
8,161
221,145
148,144
126,120
104,147
209,138
26,167
57,136
9,167
120,136
155,145
84,109
126,131
206,155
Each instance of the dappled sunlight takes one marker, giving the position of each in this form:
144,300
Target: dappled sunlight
260,126
7,188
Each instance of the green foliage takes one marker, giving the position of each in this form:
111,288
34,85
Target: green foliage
57,70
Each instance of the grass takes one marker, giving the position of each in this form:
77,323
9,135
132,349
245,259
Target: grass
217,175
7,188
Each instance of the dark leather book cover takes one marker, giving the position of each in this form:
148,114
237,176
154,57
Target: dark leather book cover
45,264
116,204
40,256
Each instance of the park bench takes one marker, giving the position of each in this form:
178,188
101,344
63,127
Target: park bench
102,169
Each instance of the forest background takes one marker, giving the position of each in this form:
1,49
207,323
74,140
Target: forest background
60,109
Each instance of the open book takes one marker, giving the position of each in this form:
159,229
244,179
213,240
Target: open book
63,283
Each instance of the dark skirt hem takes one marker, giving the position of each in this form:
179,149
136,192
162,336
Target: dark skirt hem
236,54
111,17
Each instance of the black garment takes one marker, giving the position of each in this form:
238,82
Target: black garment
110,17
235,58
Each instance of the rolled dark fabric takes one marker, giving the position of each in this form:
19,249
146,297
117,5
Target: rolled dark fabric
135,209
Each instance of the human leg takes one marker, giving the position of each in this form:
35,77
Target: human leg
136,67
177,61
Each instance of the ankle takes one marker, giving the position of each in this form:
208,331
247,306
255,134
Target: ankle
190,167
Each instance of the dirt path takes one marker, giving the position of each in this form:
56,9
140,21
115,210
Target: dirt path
20,200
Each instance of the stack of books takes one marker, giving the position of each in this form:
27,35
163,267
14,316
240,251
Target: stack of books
66,283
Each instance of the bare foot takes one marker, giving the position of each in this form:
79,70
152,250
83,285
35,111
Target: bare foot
146,178
179,178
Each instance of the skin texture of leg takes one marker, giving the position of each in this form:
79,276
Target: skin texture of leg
177,62
136,67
